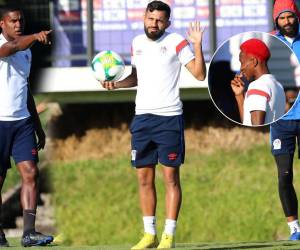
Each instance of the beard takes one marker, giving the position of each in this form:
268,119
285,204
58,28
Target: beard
290,30
154,35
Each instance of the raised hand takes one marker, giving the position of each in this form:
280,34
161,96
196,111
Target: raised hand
237,85
195,32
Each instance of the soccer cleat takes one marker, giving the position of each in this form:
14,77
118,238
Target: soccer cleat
148,241
36,239
295,236
3,241
167,241
59,239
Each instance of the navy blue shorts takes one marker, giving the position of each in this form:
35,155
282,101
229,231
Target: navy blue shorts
17,139
157,138
284,135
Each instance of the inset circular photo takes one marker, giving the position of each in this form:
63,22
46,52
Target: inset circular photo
250,78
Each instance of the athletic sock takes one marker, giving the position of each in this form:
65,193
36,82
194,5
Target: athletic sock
29,221
150,224
170,227
294,226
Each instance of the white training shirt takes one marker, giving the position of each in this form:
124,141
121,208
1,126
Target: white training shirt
264,94
158,65
14,71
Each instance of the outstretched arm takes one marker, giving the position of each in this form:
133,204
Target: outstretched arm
129,82
23,43
197,65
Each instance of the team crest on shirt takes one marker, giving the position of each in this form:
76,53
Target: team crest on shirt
138,52
133,154
163,50
277,144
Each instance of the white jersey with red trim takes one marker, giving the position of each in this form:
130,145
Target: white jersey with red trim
264,94
158,64
14,71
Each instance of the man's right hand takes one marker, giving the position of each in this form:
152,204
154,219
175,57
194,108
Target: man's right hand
109,85
237,85
43,37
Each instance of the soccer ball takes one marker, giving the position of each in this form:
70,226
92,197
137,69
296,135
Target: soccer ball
108,66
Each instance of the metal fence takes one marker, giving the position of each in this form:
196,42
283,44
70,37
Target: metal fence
83,27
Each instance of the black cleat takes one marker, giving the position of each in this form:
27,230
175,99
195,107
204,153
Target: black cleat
36,239
3,241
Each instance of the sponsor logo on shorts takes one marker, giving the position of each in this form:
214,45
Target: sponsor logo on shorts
133,155
277,144
172,156
33,151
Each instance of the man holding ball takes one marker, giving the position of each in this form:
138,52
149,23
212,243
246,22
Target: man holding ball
158,127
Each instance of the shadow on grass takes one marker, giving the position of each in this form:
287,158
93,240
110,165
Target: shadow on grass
243,245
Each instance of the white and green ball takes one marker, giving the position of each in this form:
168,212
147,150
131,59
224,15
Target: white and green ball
108,66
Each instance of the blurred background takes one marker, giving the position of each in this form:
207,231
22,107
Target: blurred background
89,191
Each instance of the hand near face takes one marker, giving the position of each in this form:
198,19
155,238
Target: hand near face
237,85
195,32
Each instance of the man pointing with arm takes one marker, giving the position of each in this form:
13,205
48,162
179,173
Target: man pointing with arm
19,121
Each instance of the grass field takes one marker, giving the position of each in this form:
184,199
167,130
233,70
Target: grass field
229,185
229,181
228,197
14,245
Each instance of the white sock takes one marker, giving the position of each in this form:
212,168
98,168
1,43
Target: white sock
150,224
170,227
294,226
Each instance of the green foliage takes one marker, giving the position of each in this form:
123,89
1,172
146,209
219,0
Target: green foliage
12,178
227,197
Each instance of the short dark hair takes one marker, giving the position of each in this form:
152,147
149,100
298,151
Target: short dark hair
8,8
159,5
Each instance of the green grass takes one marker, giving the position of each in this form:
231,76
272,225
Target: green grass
15,245
12,178
227,197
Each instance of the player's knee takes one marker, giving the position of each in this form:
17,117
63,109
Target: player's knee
30,174
145,183
145,180
285,170
285,179
172,184
172,181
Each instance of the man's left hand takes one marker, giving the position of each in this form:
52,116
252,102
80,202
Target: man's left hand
41,139
195,32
